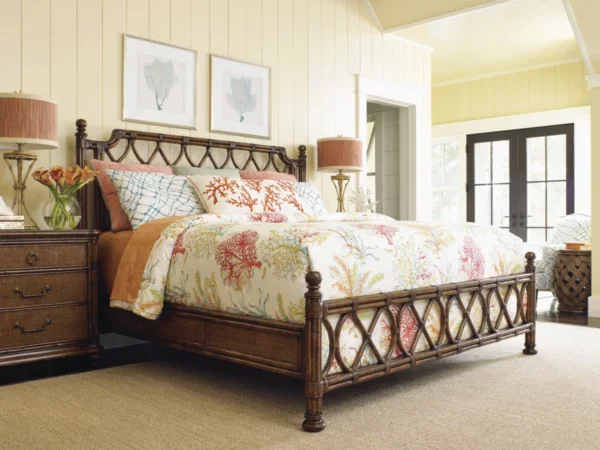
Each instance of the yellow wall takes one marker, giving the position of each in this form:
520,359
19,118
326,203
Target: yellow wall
545,89
71,50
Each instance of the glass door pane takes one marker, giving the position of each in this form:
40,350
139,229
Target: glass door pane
492,183
546,185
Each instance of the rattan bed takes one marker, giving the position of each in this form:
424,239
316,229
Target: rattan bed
289,348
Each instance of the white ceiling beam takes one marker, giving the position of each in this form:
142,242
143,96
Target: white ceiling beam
579,37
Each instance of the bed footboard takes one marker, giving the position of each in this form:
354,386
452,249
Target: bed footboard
403,329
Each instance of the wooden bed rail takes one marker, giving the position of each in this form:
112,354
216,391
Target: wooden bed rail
394,305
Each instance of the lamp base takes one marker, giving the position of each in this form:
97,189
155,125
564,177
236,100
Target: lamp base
340,182
19,187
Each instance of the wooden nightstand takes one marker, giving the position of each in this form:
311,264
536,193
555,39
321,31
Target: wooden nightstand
48,295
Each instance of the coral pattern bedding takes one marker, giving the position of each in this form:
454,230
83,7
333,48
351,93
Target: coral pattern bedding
254,264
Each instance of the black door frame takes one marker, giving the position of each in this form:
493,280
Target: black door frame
518,170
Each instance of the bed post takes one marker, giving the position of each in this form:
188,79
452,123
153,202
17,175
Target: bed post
80,149
302,163
314,385
531,305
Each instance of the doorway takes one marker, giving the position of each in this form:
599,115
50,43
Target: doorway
383,157
521,180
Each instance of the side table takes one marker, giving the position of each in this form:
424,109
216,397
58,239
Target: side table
573,280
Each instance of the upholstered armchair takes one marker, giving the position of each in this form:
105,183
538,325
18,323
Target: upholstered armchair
572,228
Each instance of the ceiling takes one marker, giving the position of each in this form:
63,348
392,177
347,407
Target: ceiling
505,37
396,14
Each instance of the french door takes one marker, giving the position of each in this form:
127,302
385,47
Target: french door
521,180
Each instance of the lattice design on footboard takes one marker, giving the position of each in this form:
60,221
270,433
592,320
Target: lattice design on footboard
390,332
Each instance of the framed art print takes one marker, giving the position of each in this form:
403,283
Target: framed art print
159,83
240,98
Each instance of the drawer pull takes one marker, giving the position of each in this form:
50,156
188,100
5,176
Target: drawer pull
32,259
45,290
33,330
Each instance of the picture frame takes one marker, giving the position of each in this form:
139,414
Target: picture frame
159,83
240,98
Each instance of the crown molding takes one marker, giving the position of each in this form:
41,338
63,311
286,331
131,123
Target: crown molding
593,81
578,37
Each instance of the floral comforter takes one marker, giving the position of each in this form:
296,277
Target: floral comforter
254,264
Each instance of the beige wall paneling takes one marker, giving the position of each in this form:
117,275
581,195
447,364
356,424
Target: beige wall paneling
464,102
435,106
138,24
10,75
328,118
270,54
36,80
63,74
300,75
399,72
354,36
366,63
315,89
159,29
114,25
543,89
254,41
549,88
453,102
579,94
219,39
200,41
286,74
72,50
536,90
563,87
443,105
499,96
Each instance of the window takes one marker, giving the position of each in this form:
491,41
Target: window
445,182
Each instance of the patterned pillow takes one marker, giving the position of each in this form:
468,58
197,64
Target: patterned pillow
148,196
310,195
118,218
228,195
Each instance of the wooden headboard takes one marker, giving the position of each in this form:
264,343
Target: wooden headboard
197,152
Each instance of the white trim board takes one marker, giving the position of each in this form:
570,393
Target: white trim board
593,81
594,306
578,37
415,141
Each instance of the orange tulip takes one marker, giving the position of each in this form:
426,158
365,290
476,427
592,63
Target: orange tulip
43,176
58,175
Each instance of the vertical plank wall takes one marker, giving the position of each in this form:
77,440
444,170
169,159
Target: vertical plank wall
71,50
556,87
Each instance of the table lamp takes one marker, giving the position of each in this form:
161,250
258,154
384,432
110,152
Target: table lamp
27,122
339,155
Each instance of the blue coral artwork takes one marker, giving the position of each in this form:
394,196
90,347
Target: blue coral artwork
240,98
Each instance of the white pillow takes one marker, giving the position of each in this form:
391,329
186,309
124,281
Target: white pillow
148,196
308,192
229,195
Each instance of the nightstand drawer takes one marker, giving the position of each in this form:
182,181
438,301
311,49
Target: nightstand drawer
43,289
43,256
43,326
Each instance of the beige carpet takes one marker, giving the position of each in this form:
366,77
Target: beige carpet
493,397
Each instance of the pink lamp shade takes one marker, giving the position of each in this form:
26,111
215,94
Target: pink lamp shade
340,153
28,120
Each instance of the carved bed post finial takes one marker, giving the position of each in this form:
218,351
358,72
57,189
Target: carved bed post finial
302,163
314,386
81,160
531,305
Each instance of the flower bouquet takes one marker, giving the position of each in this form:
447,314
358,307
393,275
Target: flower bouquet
62,211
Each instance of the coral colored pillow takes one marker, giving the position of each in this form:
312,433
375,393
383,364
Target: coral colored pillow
228,195
277,176
118,219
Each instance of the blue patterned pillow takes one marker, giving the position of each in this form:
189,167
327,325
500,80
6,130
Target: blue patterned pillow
148,196
307,192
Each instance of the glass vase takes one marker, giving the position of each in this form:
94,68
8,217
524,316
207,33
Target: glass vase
62,212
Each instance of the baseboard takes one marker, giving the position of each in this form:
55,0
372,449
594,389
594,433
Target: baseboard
594,307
